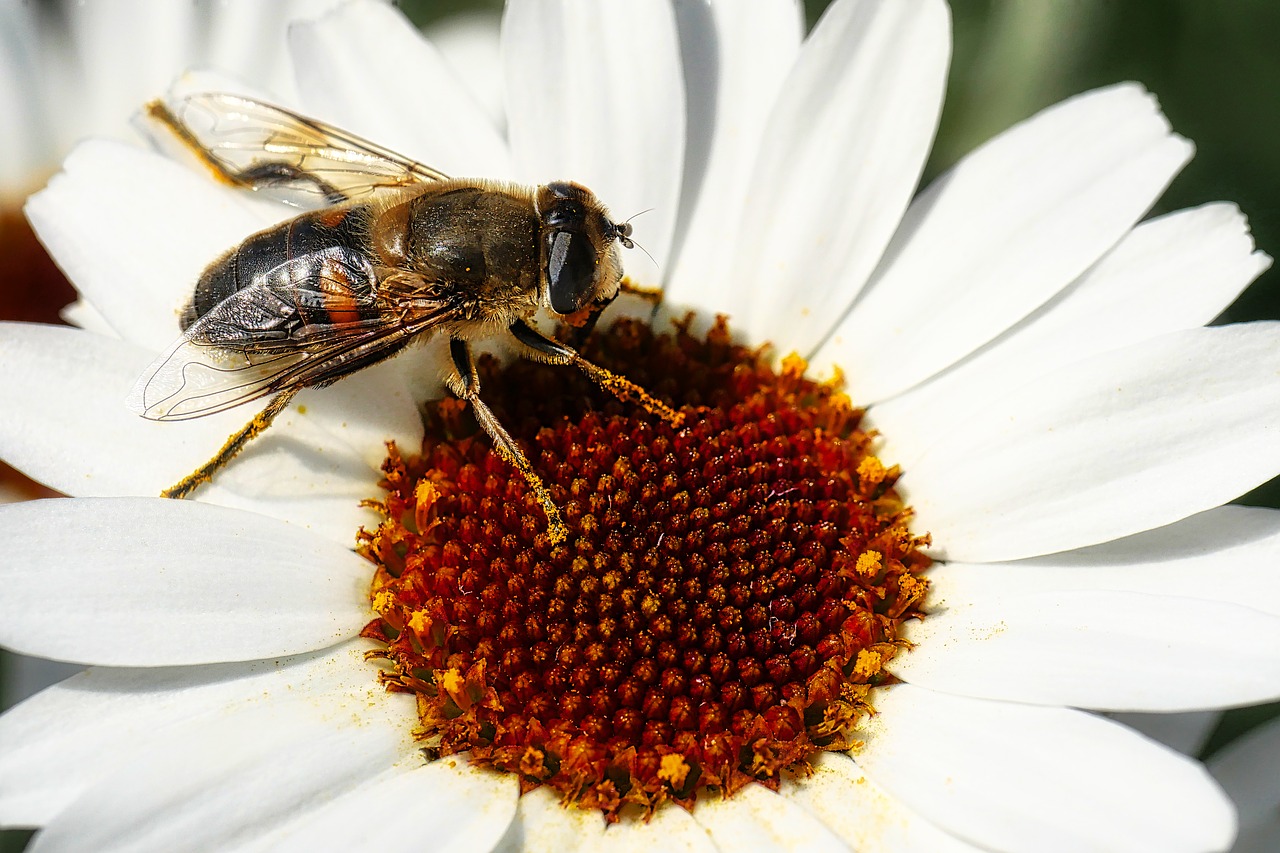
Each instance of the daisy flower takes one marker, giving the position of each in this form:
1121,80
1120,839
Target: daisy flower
772,629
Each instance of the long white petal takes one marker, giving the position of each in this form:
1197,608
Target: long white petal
448,805
435,120
105,716
152,582
1007,228
232,777
757,819
594,94
1175,272
64,423
837,166
1111,651
863,814
1226,554
1021,777
735,65
133,231
545,824
1119,443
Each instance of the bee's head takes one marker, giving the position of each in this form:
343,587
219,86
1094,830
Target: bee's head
581,264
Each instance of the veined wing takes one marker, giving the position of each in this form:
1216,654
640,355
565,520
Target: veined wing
265,339
295,159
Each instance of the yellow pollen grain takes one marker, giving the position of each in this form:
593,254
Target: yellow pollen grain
426,493
911,587
868,663
673,769
869,563
419,622
452,681
871,470
384,602
794,365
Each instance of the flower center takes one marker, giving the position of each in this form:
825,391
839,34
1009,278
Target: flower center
725,601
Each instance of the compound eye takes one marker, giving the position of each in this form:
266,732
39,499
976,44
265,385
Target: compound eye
571,270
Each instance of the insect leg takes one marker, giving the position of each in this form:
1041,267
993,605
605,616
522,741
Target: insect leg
554,352
234,445
468,389
260,175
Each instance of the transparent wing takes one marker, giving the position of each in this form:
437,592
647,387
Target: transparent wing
289,157
264,339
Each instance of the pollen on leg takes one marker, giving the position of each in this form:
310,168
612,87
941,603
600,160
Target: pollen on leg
729,592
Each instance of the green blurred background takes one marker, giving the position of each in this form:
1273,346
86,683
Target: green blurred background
1214,64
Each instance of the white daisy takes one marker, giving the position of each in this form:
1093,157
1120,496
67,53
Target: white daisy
1033,357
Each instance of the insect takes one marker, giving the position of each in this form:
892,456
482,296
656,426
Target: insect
392,251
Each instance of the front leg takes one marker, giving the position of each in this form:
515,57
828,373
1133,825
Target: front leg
554,352
466,384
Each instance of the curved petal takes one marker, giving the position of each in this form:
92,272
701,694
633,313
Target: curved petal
861,813
735,65
401,94
449,805
64,423
757,819
153,582
1226,554
1175,272
545,824
1106,650
1021,777
594,94
207,787
1119,443
842,153
1002,232
245,38
105,716
133,231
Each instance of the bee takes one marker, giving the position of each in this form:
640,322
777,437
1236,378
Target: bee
391,252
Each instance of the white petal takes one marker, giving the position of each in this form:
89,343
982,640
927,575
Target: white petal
247,37
757,819
1021,777
861,813
401,94
1247,770
1176,272
1186,732
468,41
105,716
26,137
133,231
1113,651
1225,554
232,777
448,805
64,423
119,74
842,154
735,65
152,582
545,824
594,94
1007,228
1112,445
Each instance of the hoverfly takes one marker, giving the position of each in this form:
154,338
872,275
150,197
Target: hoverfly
393,251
